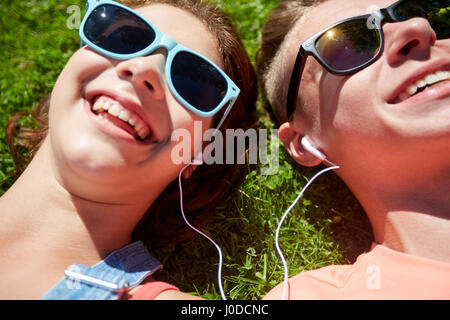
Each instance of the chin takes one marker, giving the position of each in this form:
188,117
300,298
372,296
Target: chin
91,159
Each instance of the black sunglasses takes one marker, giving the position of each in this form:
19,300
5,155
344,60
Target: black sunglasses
352,44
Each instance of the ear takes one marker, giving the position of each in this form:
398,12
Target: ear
187,173
291,138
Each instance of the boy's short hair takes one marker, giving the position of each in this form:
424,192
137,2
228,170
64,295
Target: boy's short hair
271,55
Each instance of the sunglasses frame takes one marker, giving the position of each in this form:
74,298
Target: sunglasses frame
173,48
307,48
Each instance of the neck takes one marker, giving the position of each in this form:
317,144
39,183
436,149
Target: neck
415,220
59,224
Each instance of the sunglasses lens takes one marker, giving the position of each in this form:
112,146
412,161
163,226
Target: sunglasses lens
349,45
116,30
197,81
436,12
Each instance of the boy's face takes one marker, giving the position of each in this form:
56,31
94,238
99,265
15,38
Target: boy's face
357,120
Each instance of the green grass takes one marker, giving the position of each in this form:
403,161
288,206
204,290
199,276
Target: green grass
326,227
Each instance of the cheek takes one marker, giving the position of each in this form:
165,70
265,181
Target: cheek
350,116
352,103
186,124
84,64
66,104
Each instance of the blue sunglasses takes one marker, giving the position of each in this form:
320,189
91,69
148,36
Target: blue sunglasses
120,33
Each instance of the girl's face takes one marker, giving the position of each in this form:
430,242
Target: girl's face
362,121
110,155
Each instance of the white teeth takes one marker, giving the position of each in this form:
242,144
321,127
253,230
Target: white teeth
143,133
125,115
422,83
102,104
115,109
431,78
133,119
412,89
443,75
107,105
97,105
139,126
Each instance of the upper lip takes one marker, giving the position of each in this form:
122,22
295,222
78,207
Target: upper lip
420,74
127,102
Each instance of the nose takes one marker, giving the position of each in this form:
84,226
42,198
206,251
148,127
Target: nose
144,73
410,39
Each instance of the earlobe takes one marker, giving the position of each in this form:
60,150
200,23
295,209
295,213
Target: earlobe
292,140
197,161
187,173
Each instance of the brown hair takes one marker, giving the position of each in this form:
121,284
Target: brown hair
163,223
280,22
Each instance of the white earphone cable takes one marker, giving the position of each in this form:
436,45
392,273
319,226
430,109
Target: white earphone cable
198,160
219,272
285,294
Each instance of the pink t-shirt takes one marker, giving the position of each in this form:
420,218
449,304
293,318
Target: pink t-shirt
151,290
381,273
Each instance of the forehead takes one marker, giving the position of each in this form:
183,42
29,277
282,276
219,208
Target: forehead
183,27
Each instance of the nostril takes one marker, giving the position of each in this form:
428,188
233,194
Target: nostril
407,48
127,73
149,86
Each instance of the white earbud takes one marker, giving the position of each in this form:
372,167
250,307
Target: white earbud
198,159
309,147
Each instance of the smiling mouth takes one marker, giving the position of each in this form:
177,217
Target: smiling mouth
423,84
112,111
